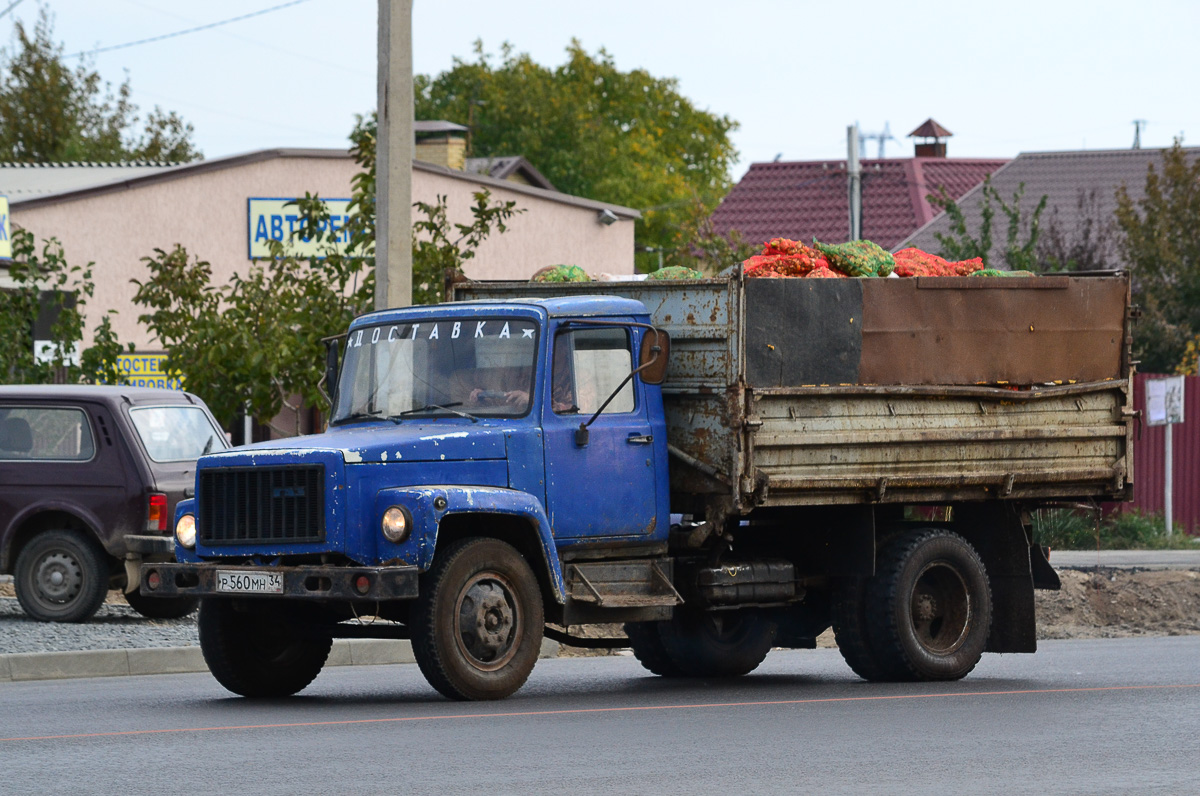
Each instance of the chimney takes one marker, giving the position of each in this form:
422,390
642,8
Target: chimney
441,143
927,148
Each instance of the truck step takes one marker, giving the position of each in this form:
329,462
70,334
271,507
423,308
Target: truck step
640,583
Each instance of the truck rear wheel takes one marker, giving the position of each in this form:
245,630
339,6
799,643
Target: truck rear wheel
253,652
717,643
61,576
929,607
849,615
648,648
477,624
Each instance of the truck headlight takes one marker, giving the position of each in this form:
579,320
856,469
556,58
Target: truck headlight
396,524
185,531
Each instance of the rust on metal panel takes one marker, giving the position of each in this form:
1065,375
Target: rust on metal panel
971,330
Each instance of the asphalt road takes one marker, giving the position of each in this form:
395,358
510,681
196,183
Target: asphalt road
1078,717
1127,559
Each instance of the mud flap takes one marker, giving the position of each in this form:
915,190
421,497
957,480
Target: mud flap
1044,576
995,530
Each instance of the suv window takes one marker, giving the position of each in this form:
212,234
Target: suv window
51,433
176,433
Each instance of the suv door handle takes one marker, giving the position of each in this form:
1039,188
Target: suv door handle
640,439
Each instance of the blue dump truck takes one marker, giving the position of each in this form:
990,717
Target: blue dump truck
722,466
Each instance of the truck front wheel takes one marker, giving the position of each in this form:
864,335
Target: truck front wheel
477,624
253,651
929,607
717,643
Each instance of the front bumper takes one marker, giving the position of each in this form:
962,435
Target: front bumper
308,582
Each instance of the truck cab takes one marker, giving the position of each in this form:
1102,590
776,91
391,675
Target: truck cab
472,449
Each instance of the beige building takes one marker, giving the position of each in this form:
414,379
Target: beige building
116,215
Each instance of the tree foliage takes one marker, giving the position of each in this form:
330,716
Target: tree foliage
52,113
44,279
623,137
1160,241
1089,244
258,339
960,244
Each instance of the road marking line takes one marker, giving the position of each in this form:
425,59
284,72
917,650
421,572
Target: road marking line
627,709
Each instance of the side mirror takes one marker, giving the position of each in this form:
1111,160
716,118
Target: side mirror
330,381
652,360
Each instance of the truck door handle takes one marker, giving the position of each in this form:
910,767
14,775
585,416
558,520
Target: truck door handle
640,439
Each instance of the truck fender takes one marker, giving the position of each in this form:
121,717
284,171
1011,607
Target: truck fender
427,505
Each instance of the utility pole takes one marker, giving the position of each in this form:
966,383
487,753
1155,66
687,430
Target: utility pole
855,172
393,157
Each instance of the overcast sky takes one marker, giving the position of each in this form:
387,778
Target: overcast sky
1004,77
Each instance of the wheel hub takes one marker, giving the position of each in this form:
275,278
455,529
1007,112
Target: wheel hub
941,609
487,622
59,577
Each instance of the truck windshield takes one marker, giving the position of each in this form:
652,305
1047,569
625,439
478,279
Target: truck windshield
477,367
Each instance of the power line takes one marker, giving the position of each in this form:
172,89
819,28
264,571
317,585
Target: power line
11,6
189,30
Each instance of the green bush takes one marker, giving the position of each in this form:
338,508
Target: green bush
1065,529
1075,529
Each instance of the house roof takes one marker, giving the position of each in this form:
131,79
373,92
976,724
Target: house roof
930,129
24,180
1076,184
129,182
809,199
508,168
437,126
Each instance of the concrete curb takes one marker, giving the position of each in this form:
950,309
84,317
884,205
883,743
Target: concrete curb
24,666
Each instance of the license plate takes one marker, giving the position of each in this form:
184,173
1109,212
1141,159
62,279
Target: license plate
250,582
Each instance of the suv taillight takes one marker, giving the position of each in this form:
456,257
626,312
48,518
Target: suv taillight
156,515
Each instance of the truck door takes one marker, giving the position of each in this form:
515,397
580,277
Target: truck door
607,487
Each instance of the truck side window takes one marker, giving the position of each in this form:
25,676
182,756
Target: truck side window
45,433
588,366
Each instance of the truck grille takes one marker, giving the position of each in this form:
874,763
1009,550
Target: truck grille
250,505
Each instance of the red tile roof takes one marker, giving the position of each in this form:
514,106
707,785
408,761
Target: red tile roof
808,199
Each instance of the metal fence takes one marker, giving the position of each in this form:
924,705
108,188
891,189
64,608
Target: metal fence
1149,467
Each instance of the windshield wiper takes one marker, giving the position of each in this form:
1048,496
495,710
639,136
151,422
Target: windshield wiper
427,407
208,445
350,418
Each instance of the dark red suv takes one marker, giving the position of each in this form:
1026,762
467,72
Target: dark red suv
89,479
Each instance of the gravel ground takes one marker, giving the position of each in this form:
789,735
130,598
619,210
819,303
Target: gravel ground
1094,603
115,626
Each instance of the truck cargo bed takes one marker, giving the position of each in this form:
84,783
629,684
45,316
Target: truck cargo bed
784,392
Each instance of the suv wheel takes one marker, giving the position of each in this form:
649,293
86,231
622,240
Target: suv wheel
161,607
61,576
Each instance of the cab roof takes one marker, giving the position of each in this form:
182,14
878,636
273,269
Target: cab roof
556,307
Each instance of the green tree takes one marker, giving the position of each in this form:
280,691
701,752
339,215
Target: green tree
1160,241
52,113
43,278
258,340
960,244
623,137
1089,243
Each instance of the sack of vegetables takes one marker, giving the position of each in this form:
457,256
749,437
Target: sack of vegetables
560,273
857,258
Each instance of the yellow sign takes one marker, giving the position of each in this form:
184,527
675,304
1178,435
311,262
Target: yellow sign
5,230
280,220
146,370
